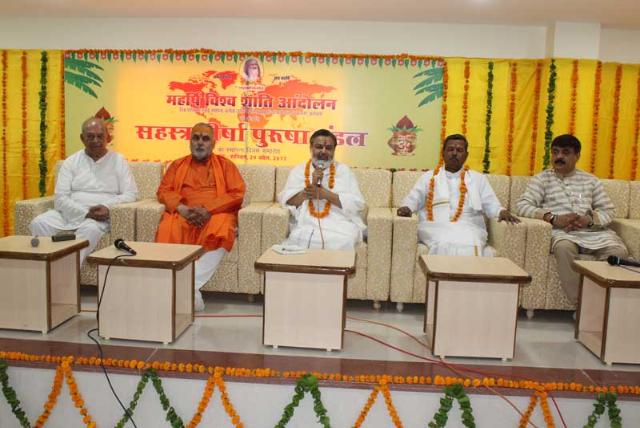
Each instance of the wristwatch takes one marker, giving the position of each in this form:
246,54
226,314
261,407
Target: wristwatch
551,218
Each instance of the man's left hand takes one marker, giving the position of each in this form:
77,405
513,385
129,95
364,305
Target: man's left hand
581,222
505,215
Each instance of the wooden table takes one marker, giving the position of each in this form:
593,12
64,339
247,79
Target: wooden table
608,316
472,304
148,296
40,285
304,298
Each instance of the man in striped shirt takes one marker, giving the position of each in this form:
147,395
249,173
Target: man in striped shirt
576,205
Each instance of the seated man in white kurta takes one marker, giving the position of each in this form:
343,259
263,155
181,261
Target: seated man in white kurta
451,201
324,199
89,183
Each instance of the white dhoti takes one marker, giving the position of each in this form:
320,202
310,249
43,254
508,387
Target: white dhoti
205,267
313,237
52,222
455,239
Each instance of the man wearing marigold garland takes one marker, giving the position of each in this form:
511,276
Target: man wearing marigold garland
577,207
202,194
324,200
451,203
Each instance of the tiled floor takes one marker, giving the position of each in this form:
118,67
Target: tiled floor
229,333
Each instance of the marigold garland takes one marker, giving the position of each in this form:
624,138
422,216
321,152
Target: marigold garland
52,400
62,110
365,410
42,183
512,112
574,97
615,118
428,206
534,117
526,417
486,159
23,93
596,116
445,86
465,96
76,397
5,187
307,182
636,132
548,133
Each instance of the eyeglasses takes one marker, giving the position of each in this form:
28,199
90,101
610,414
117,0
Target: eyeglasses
203,138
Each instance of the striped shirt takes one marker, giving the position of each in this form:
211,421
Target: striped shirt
579,193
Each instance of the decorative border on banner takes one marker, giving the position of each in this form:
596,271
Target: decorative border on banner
636,131
201,55
23,93
596,116
305,382
512,113
551,95
5,188
465,97
534,117
615,118
486,158
574,97
445,89
42,183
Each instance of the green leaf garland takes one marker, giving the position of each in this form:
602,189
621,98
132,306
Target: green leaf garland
551,94
308,383
605,400
11,396
486,160
42,184
452,392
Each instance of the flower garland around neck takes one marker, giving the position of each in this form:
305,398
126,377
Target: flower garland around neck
307,183
463,194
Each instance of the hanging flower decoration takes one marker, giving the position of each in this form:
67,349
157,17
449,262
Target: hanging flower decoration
445,86
636,131
5,187
534,117
42,166
62,111
512,112
23,93
574,97
596,117
615,118
548,133
465,96
486,159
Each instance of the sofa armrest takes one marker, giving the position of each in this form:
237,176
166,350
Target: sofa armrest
538,248
275,226
28,209
509,240
629,231
123,220
249,245
403,258
148,214
379,240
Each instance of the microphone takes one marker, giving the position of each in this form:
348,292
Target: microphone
617,261
322,165
121,245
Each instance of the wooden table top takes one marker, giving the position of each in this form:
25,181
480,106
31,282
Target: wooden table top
19,247
476,269
150,255
606,275
311,261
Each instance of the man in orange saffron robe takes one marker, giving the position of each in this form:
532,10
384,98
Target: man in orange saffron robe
202,194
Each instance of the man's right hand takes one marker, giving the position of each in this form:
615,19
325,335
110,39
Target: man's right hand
404,212
98,213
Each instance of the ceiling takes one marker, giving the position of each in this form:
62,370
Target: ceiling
611,14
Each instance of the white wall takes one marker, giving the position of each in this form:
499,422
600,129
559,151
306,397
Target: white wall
620,45
284,35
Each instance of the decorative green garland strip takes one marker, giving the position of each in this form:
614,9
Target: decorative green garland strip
486,160
172,417
42,184
11,396
551,94
134,401
605,400
308,383
452,392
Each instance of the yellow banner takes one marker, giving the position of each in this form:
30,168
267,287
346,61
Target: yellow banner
385,111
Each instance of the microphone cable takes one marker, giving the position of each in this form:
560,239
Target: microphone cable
104,369
318,200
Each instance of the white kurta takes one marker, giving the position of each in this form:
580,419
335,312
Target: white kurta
83,183
467,236
342,229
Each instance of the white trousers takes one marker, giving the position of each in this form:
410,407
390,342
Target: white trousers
207,265
51,222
